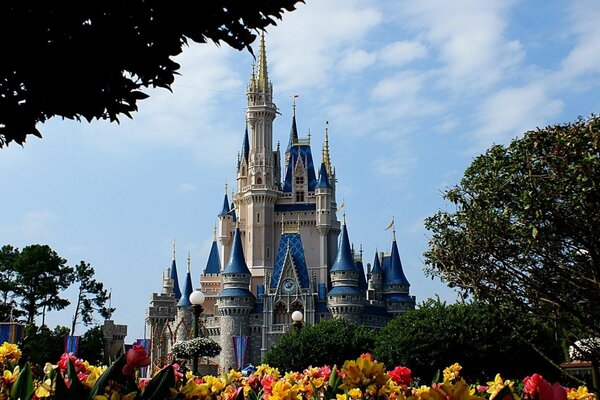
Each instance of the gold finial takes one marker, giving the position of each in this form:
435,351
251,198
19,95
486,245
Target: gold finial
308,135
361,251
294,97
298,222
325,152
263,77
215,233
173,249
344,217
189,260
253,76
225,187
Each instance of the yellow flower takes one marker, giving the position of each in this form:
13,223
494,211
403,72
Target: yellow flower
341,397
355,393
497,385
452,372
283,390
581,393
362,373
9,376
9,352
193,389
44,389
427,393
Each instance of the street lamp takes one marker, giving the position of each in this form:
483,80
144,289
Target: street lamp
297,318
197,299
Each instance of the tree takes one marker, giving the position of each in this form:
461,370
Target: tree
90,61
91,296
8,311
41,345
91,346
325,343
526,226
484,340
40,276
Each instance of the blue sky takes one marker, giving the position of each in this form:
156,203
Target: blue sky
413,91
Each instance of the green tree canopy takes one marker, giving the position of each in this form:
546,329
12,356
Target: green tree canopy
91,346
526,226
41,345
482,339
90,60
40,275
328,342
91,296
8,304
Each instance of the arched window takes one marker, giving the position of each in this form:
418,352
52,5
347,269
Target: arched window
259,181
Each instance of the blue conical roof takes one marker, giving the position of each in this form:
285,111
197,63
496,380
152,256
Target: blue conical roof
184,301
394,275
175,279
226,209
213,265
246,146
237,263
376,265
293,134
232,213
344,260
323,182
362,280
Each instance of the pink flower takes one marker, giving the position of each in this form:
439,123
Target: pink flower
136,358
401,375
143,382
560,393
324,372
368,356
536,384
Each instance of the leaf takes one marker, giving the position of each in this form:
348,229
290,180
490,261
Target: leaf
76,388
113,372
159,387
23,387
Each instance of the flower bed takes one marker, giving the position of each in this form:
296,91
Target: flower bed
363,378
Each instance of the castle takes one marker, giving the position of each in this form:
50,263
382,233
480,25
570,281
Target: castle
280,248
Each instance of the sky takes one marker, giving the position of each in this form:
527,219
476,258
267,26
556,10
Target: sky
412,90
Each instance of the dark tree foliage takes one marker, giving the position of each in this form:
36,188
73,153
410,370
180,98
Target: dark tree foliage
8,304
90,59
91,297
526,227
41,345
483,339
91,346
40,275
328,342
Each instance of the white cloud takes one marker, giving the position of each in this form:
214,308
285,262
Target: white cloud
584,57
406,84
305,47
355,60
186,187
36,225
402,52
513,111
469,38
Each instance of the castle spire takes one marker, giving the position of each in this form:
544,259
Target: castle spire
174,277
263,77
188,287
325,152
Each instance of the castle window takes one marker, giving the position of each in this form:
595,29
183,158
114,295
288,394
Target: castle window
268,253
299,196
299,180
259,181
258,218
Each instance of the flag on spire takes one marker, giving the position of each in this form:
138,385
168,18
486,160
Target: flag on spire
391,224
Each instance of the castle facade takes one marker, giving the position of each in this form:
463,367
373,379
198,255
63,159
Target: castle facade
279,248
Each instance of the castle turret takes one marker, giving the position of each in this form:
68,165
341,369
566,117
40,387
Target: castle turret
210,280
323,195
395,285
375,291
243,163
184,314
235,302
226,221
173,276
345,299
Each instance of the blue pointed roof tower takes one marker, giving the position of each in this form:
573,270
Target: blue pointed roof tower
188,288
344,260
236,273
226,208
213,265
237,262
394,274
246,146
174,278
323,182
294,131
376,265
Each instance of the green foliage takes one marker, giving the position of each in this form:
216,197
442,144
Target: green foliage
98,55
8,304
113,372
91,346
40,275
483,339
23,387
526,226
91,296
41,345
325,343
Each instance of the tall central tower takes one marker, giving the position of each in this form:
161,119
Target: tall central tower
259,173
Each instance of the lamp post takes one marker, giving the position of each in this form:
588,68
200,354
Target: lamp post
297,318
197,299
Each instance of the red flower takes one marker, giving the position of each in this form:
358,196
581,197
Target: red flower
536,384
368,356
400,375
136,358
